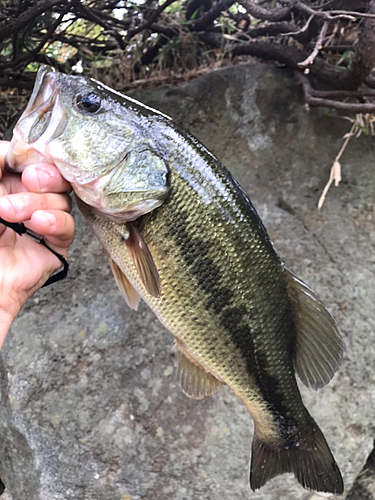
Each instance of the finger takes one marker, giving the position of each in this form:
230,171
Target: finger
20,207
44,178
58,227
4,146
11,183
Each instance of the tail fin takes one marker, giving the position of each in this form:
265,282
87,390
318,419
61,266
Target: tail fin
309,458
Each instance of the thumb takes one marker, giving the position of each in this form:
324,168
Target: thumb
4,146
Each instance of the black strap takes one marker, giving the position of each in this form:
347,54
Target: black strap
21,229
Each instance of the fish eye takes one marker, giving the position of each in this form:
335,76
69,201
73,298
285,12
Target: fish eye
88,102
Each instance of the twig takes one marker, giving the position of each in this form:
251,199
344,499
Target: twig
151,19
88,14
329,94
29,55
312,100
351,13
285,54
318,46
210,16
274,29
363,60
366,107
335,175
337,48
297,4
302,30
10,25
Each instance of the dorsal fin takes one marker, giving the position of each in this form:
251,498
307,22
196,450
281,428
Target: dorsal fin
142,260
319,349
194,381
128,291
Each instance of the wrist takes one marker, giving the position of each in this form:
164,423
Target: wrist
10,306
7,316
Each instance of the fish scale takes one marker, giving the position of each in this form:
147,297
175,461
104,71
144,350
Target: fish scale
181,234
179,285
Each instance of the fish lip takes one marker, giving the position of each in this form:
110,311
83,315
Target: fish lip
46,76
44,98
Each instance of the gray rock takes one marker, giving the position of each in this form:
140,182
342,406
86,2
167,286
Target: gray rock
90,408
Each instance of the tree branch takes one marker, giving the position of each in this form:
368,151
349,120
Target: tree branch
319,43
302,7
28,56
151,20
309,22
211,15
274,29
364,56
10,25
312,100
91,16
255,10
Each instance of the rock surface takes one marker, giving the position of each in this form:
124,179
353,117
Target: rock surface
90,408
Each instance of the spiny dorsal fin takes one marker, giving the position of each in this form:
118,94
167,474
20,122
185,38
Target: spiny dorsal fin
319,349
194,381
128,291
142,260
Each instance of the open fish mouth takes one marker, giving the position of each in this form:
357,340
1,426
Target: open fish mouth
42,121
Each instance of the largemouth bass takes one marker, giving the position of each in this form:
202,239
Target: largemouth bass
182,235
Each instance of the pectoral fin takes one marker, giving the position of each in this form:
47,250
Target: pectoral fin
128,291
194,381
319,349
142,260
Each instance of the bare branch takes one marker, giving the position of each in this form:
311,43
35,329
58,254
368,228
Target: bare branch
285,54
282,24
88,14
364,56
318,46
342,94
29,56
337,48
311,100
211,15
10,25
255,10
352,13
151,20
302,30
301,6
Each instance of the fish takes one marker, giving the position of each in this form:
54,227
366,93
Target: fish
182,235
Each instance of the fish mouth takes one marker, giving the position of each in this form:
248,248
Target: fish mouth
42,121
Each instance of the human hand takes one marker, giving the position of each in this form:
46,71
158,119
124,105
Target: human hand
39,199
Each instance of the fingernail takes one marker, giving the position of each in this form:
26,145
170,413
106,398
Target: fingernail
51,219
43,178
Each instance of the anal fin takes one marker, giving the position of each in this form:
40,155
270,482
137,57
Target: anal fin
194,380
